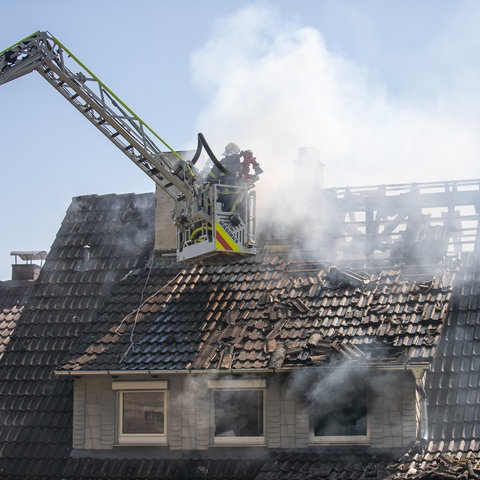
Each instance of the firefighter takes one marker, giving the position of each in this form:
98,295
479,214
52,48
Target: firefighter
230,178
232,164
237,174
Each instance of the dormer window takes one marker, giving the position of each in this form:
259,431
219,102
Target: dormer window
344,420
141,412
237,412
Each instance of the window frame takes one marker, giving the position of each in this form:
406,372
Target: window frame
125,387
343,439
236,386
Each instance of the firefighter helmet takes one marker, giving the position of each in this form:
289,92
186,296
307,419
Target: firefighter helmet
231,149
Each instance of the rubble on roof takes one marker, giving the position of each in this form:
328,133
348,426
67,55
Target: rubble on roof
443,466
259,314
337,277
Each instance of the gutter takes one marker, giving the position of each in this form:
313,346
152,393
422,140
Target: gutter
158,372
418,369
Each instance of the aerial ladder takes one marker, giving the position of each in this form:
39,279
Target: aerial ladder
208,230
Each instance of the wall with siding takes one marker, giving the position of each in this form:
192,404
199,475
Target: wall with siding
393,415
93,413
392,412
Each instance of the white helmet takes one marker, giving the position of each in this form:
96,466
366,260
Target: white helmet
231,149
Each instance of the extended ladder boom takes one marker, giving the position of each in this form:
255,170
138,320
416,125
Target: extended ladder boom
45,54
214,216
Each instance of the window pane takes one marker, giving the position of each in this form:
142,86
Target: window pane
345,417
143,412
238,413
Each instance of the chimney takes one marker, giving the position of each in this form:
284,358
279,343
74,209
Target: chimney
27,270
309,166
165,230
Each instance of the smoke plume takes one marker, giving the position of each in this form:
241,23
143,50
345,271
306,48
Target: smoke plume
274,86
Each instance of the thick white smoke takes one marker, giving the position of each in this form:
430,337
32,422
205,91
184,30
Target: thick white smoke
273,86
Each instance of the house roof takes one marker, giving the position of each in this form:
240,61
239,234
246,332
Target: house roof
453,391
13,296
454,383
77,303
36,406
263,314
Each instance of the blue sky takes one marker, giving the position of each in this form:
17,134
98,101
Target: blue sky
386,91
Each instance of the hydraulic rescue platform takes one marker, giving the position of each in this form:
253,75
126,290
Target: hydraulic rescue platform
210,228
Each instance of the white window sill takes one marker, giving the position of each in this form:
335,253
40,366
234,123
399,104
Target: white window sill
347,440
141,440
238,441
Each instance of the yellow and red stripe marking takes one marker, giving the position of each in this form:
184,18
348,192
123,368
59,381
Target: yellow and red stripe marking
223,241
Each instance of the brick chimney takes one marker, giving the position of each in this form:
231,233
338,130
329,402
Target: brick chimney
27,270
165,230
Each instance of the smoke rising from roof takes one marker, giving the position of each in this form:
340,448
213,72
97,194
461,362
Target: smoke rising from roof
274,86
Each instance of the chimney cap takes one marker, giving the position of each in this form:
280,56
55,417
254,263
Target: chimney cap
30,255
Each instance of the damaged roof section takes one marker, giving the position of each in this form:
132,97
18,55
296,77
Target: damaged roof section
262,314
415,226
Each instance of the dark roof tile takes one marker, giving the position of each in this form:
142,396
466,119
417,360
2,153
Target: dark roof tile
36,406
199,299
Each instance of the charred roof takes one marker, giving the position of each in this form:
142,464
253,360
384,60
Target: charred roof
257,314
